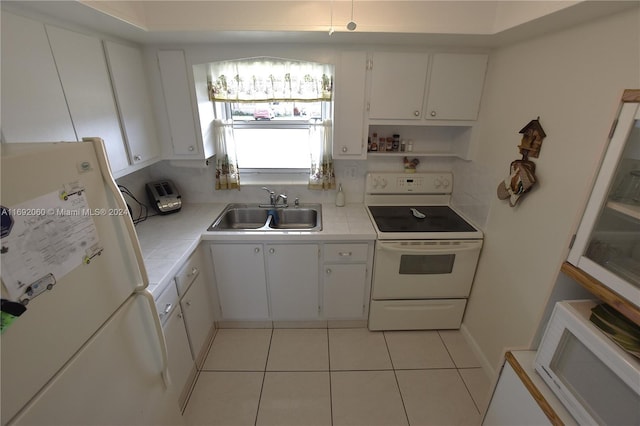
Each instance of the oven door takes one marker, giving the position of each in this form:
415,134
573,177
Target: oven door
424,269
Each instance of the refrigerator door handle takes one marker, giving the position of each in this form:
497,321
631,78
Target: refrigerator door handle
161,340
122,205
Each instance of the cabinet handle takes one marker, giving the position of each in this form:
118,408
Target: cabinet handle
345,253
272,250
194,271
344,149
433,113
188,302
256,250
180,315
137,157
191,148
416,113
328,271
167,308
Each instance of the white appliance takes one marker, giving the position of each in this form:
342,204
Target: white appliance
597,381
426,252
89,348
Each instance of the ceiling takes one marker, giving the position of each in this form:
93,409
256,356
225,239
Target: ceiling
456,23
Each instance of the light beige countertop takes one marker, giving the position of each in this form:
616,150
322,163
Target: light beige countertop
167,241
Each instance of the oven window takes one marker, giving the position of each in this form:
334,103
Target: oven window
425,264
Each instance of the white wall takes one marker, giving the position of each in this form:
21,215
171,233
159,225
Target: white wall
573,81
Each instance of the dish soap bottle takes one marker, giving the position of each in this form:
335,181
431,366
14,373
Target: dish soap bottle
340,197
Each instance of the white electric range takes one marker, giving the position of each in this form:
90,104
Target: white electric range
426,252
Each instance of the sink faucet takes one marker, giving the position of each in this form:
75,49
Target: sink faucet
272,196
284,200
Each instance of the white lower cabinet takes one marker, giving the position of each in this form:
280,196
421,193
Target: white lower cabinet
293,282
292,271
345,291
198,318
181,366
241,281
195,301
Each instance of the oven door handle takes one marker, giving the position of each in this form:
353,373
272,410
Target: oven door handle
431,249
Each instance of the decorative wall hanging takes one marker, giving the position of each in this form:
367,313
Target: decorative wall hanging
522,175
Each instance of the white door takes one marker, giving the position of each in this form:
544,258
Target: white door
350,87
115,379
87,88
198,315
398,81
344,291
293,281
241,281
180,360
134,101
33,104
455,86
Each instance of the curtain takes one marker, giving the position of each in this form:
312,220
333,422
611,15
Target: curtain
322,175
227,173
270,79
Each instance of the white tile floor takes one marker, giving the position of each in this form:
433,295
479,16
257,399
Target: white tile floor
338,377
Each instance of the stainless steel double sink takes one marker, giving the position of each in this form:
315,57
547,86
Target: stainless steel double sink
258,217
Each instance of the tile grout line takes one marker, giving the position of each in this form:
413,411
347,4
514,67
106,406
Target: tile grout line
475,404
264,376
393,368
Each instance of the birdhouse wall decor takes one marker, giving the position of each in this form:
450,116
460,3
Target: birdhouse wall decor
522,175
532,136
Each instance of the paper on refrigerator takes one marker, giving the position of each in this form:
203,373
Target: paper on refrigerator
50,236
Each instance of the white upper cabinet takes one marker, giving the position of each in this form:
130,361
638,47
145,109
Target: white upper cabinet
83,72
33,103
422,87
179,106
350,93
134,103
397,85
455,86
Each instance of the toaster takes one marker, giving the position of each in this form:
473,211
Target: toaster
163,196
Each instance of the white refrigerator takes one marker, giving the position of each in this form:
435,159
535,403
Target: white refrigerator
88,348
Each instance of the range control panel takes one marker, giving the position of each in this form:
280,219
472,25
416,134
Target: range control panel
409,183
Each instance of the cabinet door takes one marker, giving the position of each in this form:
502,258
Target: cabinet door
241,282
293,281
350,84
179,354
134,103
198,316
607,243
344,291
397,85
512,403
455,86
33,104
175,85
85,79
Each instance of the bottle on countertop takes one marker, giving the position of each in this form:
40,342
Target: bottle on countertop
340,196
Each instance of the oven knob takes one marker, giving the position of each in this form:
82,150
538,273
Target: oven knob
446,183
437,183
384,183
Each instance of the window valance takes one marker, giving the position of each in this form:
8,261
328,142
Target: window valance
270,79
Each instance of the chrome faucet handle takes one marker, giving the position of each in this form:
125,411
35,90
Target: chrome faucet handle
296,202
272,196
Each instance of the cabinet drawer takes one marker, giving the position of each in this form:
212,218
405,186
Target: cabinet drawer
345,252
188,273
167,301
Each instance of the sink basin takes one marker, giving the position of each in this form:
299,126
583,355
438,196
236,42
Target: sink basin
249,217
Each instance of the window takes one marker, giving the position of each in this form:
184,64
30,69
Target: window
273,105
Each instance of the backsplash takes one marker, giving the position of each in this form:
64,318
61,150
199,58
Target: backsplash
472,187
